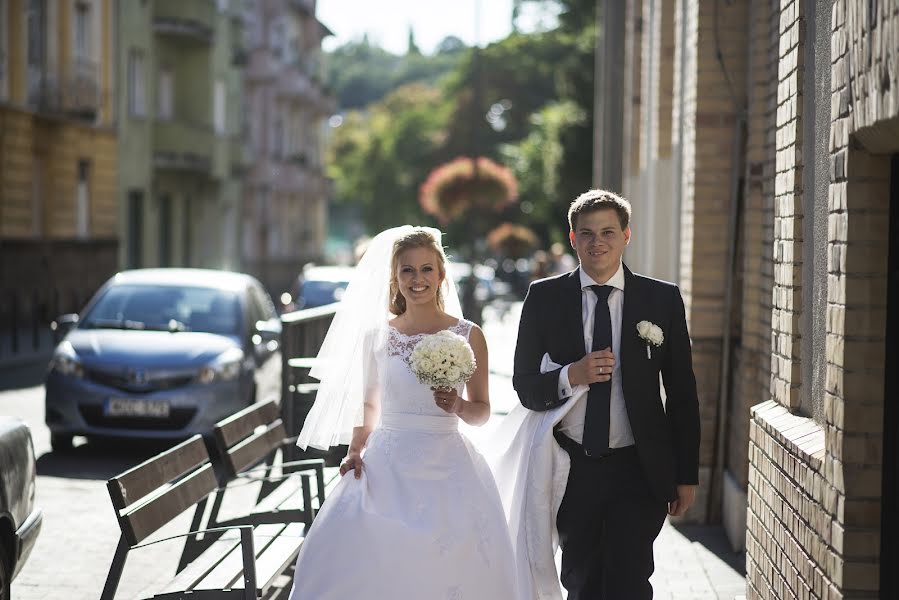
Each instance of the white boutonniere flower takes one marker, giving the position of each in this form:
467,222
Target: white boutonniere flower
651,334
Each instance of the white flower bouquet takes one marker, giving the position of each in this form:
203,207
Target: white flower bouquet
443,360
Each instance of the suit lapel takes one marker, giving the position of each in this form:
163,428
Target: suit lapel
572,305
630,344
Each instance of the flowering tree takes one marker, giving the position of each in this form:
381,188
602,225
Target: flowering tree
464,185
512,240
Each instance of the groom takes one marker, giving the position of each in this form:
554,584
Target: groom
633,457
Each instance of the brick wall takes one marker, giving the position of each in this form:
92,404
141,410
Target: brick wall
815,487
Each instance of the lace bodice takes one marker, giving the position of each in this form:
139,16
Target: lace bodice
400,390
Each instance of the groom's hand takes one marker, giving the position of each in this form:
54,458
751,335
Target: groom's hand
686,494
593,368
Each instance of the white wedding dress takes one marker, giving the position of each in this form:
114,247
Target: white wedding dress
424,522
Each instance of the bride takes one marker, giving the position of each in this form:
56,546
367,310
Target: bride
416,514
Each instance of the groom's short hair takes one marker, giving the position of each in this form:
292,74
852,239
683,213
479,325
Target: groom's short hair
594,200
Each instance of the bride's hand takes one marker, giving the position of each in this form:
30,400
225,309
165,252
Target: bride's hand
352,462
448,401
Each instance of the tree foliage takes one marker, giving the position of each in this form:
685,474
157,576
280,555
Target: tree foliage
525,101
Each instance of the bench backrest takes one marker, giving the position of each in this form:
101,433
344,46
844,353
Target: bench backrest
247,437
148,496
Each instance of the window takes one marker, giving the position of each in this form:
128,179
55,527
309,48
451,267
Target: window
37,195
4,35
165,231
82,199
82,30
165,108
36,51
218,107
185,233
135,239
136,84
278,40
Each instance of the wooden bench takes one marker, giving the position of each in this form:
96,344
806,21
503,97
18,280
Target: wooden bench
240,560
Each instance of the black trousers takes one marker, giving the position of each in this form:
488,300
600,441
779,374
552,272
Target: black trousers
607,524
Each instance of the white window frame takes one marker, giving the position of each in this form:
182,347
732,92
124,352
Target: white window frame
137,83
165,107
83,199
219,123
82,25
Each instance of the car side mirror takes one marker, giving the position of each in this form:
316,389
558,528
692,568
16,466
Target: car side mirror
269,330
63,325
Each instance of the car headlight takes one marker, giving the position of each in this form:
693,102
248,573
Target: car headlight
226,367
65,361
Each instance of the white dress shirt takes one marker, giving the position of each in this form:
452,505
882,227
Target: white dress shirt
572,424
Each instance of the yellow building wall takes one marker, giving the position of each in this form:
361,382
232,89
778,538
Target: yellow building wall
60,142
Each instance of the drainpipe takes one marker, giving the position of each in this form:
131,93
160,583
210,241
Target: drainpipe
716,488
714,506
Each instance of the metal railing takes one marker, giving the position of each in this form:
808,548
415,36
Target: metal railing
302,334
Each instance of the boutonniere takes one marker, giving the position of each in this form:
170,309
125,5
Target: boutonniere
651,334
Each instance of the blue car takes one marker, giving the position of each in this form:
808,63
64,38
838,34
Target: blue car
163,354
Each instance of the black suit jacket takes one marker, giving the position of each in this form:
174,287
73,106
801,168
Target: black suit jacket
667,438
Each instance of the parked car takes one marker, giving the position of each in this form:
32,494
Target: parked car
20,520
317,286
163,353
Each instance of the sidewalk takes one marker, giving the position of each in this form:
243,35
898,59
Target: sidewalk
692,562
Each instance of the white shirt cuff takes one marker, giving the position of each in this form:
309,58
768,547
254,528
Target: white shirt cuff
565,390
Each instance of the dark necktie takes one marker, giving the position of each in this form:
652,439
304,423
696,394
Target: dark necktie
596,421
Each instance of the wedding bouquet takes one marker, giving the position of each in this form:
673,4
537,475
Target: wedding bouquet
443,360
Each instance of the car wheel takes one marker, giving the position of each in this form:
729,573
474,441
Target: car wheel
61,442
5,574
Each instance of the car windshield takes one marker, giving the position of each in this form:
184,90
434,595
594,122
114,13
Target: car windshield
318,293
166,308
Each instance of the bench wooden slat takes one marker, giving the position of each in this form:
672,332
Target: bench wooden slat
255,448
242,424
135,483
203,564
275,558
142,521
228,573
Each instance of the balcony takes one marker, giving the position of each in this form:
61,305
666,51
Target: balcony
81,92
294,83
182,146
76,94
191,20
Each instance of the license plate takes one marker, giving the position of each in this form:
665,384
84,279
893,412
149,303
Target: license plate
124,407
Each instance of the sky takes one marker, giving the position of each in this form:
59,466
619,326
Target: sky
387,22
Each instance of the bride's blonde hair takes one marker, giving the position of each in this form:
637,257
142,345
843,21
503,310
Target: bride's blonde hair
418,238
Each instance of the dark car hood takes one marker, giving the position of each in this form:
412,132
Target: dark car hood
18,470
150,349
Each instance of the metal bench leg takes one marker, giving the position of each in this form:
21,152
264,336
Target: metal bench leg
307,499
115,570
249,563
320,474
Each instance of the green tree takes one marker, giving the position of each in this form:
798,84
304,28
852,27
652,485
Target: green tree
379,158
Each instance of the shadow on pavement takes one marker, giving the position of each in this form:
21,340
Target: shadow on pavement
715,541
99,459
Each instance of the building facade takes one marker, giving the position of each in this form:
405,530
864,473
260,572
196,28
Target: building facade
781,144
58,157
181,152
286,191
